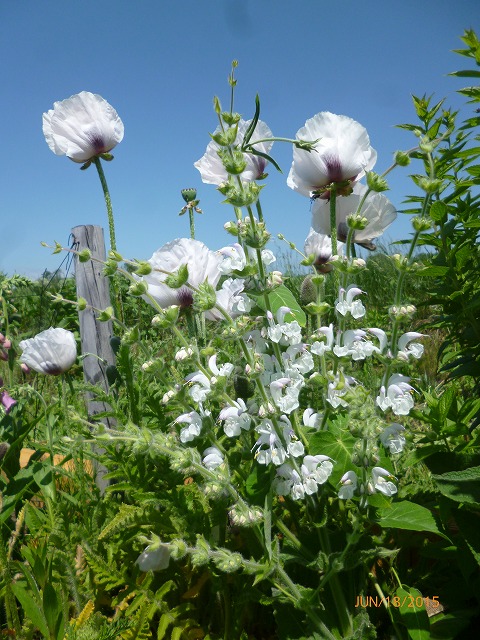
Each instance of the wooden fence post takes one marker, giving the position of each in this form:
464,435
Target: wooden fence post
95,336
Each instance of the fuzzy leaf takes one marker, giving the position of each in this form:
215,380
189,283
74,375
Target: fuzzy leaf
460,486
410,516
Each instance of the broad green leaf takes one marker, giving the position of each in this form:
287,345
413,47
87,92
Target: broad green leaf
460,486
413,613
283,297
51,607
410,516
433,271
336,444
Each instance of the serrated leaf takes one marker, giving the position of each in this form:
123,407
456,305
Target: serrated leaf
460,486
409,516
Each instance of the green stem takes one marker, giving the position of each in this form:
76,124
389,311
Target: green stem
108,202
191,213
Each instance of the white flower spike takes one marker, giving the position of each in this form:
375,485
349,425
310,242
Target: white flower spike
82,127
211,167
50,352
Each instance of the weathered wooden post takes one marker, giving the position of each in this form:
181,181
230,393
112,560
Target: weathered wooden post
95,336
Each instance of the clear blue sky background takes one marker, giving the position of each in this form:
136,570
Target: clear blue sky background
160,62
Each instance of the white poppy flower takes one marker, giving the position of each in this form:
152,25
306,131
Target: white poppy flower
343,152
392,438
320,246
51,352
377,209
202,265
397,396
82,127
155,560
211,167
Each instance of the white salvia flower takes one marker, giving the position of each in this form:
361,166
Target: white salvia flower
311,419
343,152
155,560
315,470
225,370
339,388
379,481
288,481
347,304
82,127
211,167
349,482
268,257
235,418
284,333
194,428
212,458
297,357
285,394
202,264
320,246
234,258
397,396
377,209
231,299
320,347
392,438
50,352
275,451
354,345
414,349
382,338
199,386
183,354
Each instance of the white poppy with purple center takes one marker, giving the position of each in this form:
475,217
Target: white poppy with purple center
319,245
202,264
342,153
82,127
377,209
50,352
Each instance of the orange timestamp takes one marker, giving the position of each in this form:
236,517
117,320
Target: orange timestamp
399,602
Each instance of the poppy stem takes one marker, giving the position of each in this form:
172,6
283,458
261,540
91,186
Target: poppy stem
108,202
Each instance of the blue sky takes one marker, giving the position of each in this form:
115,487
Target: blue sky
160,62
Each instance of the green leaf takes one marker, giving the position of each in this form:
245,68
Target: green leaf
414,617
470,531
31,609
51,607
433,271
283,297
410,516
336,444
460,486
